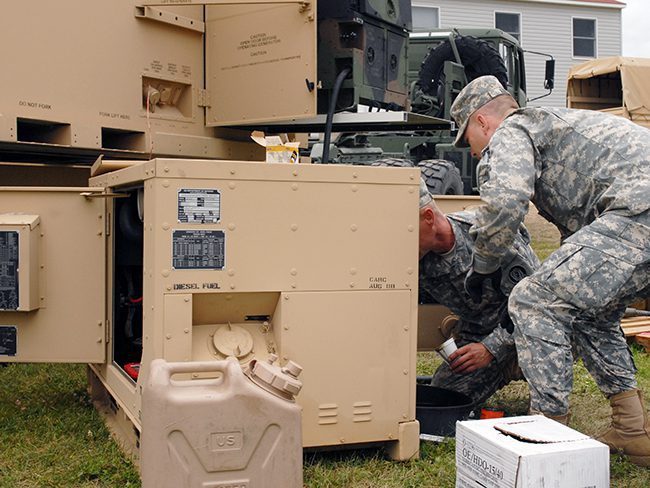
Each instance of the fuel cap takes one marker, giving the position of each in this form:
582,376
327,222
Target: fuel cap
282,382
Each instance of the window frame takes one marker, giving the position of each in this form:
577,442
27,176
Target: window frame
573,36
520,17
428,6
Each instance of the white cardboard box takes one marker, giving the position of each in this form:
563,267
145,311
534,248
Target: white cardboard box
528,452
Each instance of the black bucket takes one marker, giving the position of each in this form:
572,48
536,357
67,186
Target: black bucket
438,409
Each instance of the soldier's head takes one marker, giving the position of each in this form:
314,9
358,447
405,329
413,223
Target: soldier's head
478,111
434,226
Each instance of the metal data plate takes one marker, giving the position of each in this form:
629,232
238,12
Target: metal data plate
198,249
199,206
9,270
7,341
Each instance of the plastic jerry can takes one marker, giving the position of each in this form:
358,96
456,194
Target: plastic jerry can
235,431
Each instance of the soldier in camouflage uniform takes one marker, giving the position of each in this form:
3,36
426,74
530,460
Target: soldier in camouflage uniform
486,359
588,173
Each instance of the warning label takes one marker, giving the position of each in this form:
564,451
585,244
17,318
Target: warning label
9,270
199,206
198,249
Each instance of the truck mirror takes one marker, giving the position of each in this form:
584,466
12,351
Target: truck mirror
549,75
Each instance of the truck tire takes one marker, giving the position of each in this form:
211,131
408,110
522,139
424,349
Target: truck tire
441,176
478,57
394,163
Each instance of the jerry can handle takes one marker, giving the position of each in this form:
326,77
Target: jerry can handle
161,371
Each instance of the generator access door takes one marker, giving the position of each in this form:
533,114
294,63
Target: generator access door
260,62
52,275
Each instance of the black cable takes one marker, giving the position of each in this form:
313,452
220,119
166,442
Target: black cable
330,114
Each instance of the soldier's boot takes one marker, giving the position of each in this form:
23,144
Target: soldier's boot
629,433
563,419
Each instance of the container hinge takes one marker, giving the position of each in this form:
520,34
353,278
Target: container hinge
203,98
166,17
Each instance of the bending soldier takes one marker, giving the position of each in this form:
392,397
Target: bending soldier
586,172
486,359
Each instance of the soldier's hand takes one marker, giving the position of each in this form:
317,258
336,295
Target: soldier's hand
469,358
474,283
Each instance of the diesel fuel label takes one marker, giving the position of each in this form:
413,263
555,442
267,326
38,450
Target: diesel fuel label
197,206
198,249
9,270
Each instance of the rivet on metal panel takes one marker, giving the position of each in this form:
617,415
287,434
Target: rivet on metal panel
389,436
293,271
407,285
355,188
354,175
165,226
294,186
231,272
410,228
100,323
286,327
99,232
166,169
187,331
404,416
165,183
353,271
232,171
353,227
169,288
406,371
100,340
186,299
411,190
232,286
406,328
293,285
231,185
342,440
409,270
231,226
294,227
412,177
168,336
294,173
165,273
286,297
352,284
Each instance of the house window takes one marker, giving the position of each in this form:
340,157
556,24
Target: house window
584,38
510,23
425,18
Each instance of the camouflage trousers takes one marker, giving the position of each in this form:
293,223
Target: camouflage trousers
580,293
481,384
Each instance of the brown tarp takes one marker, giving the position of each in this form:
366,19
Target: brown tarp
634,76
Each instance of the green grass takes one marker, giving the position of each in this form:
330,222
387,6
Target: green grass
50,436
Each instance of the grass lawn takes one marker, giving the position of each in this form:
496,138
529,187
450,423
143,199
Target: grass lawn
50,436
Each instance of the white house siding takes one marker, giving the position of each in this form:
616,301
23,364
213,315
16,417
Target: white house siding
545,27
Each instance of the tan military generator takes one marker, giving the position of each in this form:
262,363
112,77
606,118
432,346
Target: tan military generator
192,247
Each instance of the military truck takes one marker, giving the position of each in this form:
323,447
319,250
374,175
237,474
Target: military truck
615,85
440,64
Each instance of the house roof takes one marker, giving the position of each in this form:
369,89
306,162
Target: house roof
592,3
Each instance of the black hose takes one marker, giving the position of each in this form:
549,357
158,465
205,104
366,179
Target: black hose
330,114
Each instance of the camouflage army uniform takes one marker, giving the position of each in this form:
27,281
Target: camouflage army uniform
586,172
441,281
